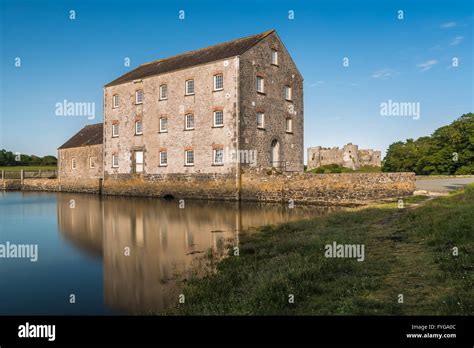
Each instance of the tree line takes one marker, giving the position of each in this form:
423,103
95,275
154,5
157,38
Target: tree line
10,159
449,150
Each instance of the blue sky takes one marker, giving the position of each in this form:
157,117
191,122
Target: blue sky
403,60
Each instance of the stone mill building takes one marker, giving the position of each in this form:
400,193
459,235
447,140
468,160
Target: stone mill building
211,110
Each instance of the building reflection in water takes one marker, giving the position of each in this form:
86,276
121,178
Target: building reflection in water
149,246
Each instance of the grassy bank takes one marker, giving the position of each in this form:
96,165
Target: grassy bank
18,168
407,251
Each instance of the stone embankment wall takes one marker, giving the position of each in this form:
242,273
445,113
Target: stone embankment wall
330,189
54,185
346,188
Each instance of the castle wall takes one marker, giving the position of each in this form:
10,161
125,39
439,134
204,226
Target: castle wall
349,157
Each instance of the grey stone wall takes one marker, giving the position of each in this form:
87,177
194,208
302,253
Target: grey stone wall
257,61
82,155
203,139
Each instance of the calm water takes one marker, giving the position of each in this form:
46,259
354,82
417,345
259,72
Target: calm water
82,241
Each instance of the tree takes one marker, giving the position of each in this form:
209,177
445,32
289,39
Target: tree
449,150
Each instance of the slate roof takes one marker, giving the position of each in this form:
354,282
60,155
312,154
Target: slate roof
92,134
189,59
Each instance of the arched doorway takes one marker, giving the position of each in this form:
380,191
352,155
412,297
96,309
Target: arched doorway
275,154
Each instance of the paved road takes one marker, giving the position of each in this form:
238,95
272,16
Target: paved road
442,185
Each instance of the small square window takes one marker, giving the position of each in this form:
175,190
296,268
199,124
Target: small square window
219,156
189,87
115,101
163,92
288,93
139,97
218,82
274,57
138,128
218,118
115,130
260,120
115,161
163,125
73,163
189,157
163,158
289,125
92,162
189,121
260,84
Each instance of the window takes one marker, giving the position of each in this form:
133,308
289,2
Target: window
163,125
219,156
115,130
115,161
218,118
163,158
189,121
260,120
260,84
163,92
115,101
73,163
139,97
189,157
288,94
289,125
218,82
91,162
138,128
189,87
274,57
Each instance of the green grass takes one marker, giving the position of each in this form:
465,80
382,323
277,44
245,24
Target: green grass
334,168
18,168
407,251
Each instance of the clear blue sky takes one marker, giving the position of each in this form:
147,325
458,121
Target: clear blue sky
405,60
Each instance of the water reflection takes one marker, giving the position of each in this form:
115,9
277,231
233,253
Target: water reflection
149,246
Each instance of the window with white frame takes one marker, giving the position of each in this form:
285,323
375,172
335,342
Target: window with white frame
163,92
163,158
115,101
189,157
289,125
189,87
260,120
115,163
139,97
274,57
218,118
218,156
260,82
163,124
138,127
189,121
218,82
73,163
115,130
288,93
92,162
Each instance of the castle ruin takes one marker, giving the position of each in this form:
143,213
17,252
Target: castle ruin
349,157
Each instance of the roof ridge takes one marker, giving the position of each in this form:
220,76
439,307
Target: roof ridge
263,35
